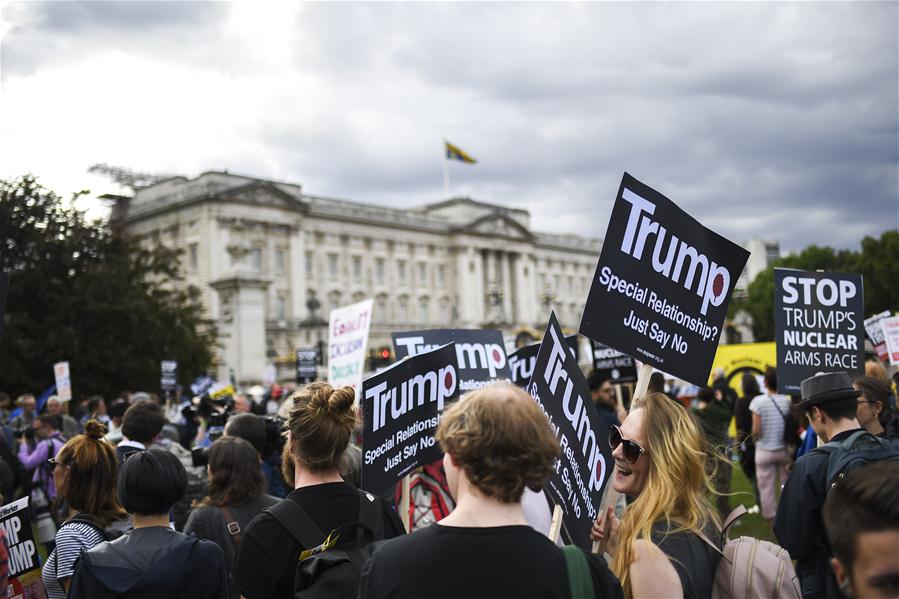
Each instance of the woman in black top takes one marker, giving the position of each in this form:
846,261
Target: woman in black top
497,441
660,456
233,498
320,425
874,412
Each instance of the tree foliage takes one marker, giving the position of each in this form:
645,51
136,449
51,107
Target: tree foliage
877,262
99,301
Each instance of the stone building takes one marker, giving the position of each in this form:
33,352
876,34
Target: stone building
272,261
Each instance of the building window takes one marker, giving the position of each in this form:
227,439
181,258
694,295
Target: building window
402,311
280,308
256,259
379,270
333,300
279,262
441,275
332,265
570,284
444,312
423,310
357,268
422,273
401,271
193,260
557,280
310,265
381,309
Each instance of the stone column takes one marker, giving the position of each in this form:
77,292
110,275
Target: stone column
242,326
506,268
298,282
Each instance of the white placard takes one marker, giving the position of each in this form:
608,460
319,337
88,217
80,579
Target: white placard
63,381
347,344
891,337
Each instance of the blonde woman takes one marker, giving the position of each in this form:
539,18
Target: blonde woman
660,453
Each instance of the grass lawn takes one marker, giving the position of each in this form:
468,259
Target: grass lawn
751,525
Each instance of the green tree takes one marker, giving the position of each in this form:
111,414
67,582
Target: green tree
100,301
877,262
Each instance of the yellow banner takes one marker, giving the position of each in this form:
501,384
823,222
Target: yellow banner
742,357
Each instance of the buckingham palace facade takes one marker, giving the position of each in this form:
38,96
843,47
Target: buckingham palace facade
272,261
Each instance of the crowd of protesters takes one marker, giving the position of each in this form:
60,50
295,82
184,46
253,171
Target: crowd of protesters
139,498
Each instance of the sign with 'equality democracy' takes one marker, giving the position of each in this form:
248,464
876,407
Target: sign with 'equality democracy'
662,284
16,525
560,389
891,338
480,354
818,318
401,407
347,342
615,366
523,359
63,381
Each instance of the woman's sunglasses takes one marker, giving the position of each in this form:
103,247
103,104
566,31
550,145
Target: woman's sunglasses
53,463
631,450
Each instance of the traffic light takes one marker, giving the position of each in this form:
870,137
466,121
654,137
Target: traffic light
380,357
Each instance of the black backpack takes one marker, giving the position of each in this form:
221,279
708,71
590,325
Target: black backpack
860,449
331,565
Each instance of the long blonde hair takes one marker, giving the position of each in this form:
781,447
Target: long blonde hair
677,488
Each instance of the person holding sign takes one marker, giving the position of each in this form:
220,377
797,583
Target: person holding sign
320,425
85,473
660,455
497,442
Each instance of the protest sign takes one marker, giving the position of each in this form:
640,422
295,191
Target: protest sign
307,358
269,375
168,378
891,338
522,360
576,485
875,333
347,342
202,384
818,320
63,381
662,284
23,556
480,354
4,285
614,365
401,407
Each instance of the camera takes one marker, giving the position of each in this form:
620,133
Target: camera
24,431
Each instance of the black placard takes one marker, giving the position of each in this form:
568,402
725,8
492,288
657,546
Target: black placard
16,524
560,389
307,358
662,284
401,407
480,354
168,375
522,360
4,285
615,366
819,324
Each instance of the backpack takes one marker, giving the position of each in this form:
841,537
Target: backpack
109,533
429,496
752,568
790,437
579,580
326,569
859,449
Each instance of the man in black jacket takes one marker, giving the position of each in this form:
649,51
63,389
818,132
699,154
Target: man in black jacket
830,403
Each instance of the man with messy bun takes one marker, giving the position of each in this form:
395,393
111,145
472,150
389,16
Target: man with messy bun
85,472
497,443
319,427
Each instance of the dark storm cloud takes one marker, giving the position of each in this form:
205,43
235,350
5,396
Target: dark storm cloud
775,120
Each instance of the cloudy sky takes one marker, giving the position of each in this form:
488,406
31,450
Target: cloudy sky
775,120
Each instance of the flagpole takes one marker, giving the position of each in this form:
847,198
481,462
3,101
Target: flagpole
445,173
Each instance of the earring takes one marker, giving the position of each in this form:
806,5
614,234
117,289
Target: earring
846,588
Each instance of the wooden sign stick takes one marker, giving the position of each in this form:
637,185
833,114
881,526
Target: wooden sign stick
556,527
404,504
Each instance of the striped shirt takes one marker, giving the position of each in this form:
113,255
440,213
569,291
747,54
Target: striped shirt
772,419
70,540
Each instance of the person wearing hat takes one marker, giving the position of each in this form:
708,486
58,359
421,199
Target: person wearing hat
830,402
